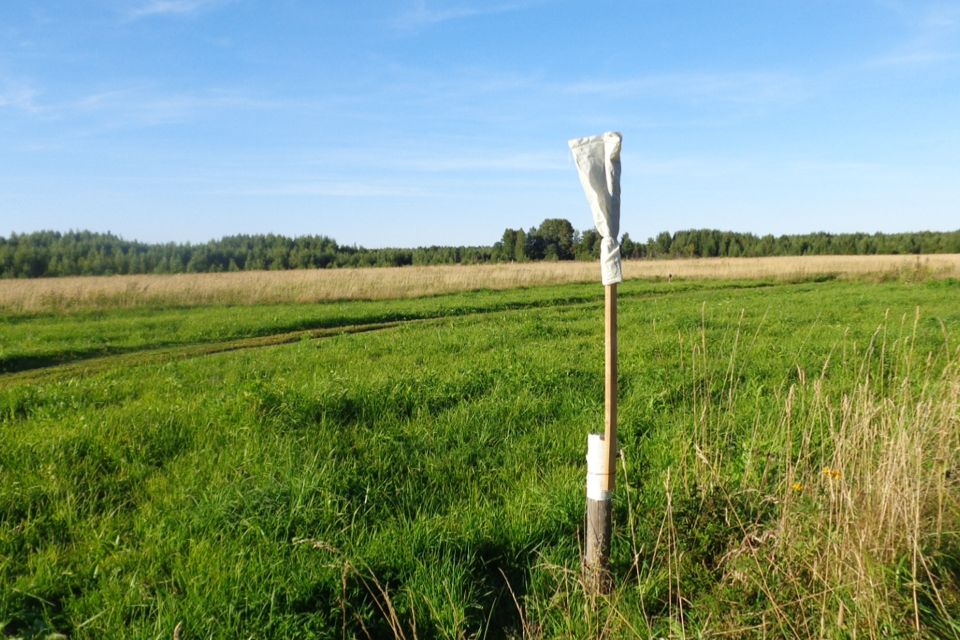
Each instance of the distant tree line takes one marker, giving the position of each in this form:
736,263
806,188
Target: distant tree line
51,253
556,240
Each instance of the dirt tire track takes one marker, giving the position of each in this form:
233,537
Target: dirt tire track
84,365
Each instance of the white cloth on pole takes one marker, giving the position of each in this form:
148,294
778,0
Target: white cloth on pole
598,163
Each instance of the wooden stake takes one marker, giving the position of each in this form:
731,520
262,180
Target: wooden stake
610,382
596,568
602,469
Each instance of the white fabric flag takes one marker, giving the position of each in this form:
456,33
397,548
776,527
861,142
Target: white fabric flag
598,163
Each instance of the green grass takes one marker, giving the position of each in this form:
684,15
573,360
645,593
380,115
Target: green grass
30,341
426,479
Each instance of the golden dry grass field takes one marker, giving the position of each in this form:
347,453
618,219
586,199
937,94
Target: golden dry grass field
311,286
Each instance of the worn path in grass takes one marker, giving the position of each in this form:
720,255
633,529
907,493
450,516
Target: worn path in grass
37,346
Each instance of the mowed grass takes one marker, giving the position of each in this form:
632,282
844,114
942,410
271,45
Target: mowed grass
789,466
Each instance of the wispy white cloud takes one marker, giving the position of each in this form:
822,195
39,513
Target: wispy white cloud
850,170
737,87
688,166
176,106
171,8
910,58
17,95
411,158
420,15
136,106
445,161
331,188
932,38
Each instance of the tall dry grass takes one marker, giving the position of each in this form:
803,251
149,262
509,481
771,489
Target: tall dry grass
843,509
861,471
310,286
870,503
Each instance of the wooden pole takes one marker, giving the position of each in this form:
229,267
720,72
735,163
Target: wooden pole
602,461
610,382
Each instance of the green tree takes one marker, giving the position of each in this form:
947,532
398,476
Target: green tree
557,238
520,246
589,246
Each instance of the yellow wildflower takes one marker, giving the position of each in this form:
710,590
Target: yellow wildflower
829,473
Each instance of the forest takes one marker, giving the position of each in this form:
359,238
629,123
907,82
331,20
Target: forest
53,253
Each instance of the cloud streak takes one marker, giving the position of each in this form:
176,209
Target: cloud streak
331,188
136,106
17,96
155,8
442,161
932,39
420,15
734,87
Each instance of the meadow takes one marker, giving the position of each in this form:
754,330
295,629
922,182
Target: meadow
412,465
24,296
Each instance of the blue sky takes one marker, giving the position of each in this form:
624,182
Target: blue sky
417,122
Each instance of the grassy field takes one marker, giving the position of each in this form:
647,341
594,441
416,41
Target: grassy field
415,467
334,285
